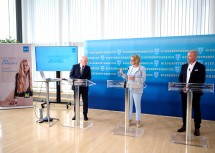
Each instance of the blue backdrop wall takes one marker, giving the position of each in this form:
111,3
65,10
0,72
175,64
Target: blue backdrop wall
162,57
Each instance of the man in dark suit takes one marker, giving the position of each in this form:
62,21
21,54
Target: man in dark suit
192,72
82,71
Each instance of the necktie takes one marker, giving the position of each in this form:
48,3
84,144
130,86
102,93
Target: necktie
82,69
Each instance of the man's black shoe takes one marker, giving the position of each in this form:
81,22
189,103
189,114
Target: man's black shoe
182,129
73,118
197,132
85,117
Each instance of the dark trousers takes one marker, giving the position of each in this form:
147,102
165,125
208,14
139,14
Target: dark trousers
84,93
195,107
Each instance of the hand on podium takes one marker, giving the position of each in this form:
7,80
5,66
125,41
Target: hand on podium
185,89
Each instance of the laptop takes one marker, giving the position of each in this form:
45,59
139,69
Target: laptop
49,79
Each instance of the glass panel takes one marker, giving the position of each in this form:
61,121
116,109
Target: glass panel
192,87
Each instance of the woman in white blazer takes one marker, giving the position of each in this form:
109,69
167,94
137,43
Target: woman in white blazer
136,74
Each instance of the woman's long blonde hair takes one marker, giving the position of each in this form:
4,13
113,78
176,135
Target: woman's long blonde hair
21,82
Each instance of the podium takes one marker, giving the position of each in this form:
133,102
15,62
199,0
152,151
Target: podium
48,118
77,83
126,129
190,88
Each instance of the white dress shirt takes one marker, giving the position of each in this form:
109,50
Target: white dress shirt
189,70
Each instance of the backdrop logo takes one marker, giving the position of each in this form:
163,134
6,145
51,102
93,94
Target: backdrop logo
178,57
156,74
119,62
119,51
102,57
102,68
156,51
25,49
156,62
177,69
200,50
201,61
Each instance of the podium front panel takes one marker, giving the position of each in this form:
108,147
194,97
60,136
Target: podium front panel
192,87
80,82
115,84
123,84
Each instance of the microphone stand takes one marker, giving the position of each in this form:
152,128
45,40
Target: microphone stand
125,82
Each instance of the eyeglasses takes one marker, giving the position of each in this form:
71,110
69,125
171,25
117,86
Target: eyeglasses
132,60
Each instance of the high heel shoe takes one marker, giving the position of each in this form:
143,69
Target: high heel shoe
138,124
130,122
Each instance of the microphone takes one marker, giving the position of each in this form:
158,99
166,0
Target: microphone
125,81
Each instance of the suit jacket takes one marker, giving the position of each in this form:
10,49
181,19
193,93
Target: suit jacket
76,74
140,77
197,75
